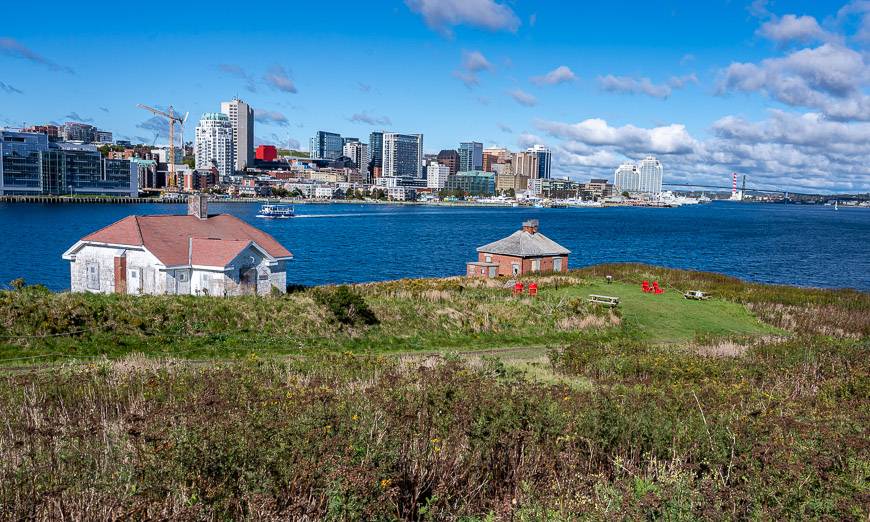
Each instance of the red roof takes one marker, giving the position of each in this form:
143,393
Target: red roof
169,237
215,252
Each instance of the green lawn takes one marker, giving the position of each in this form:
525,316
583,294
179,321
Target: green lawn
670,318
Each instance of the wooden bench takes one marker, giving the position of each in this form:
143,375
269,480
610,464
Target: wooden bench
605,300
696,295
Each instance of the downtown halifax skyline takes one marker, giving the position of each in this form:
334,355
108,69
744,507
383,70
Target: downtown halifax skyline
774,90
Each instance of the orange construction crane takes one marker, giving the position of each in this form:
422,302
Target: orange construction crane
173,119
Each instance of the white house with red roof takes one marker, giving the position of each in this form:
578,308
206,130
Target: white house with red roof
194,254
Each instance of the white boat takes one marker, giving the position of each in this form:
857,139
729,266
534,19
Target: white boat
276,212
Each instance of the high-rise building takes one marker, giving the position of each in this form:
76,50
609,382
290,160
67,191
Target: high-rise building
525,164
544,156
450,159
436,175
242,119
214,144
494,156
643,178
104,137
376,154
403,155
470,156
345,141
626,178
650,172
325,145
359,154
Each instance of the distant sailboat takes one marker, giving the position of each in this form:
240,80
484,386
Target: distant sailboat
836,206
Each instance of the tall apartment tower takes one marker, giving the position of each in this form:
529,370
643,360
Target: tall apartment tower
449,158
626,178
525,164
470,156
650,172
359,153
241,117
214,144
376,154
403,155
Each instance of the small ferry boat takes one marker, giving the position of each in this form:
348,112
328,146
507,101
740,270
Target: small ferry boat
276,212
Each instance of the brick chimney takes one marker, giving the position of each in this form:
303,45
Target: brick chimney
530,226
197,205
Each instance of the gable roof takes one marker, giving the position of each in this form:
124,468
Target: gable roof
525,244
215,252
169,237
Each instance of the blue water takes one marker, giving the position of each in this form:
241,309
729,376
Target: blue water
791,244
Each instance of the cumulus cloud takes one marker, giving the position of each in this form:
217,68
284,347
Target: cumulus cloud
10,89
267,117
363,117
629,85
443,15
830,78
786,151
791,28
74,116
473,62
523,98
278,78
561,74
14,48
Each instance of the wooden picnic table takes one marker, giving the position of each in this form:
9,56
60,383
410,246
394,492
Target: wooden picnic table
606,300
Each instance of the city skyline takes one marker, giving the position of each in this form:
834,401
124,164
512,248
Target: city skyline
778,92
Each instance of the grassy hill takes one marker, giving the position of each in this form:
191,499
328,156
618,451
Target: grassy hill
439,400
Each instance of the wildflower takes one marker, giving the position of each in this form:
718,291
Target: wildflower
435,440
565,398
385,483
355,417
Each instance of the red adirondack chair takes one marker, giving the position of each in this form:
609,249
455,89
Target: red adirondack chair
645,287
656,288
518,288
533,289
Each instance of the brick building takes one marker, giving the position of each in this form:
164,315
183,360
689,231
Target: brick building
525,251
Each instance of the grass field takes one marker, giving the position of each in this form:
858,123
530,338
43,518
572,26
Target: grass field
439,400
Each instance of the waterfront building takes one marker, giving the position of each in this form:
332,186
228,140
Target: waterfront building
214,144
266,153
544,157
470,156
53,131
241,117
626,178
325,145
376,154
403,155
510,181
650,172
32,165
437,175
450,159
359,155
193,254
596,189
475,183
525,251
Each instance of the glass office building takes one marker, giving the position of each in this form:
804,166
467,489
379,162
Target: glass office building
403,155
475,183
326,145
31,165
470,156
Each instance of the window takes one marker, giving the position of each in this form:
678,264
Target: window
515,268
536,265
557,264
93,275
488,259
182,276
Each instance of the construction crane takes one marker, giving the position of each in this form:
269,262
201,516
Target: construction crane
173,119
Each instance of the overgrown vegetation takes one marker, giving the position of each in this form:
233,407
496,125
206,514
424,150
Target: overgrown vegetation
585,416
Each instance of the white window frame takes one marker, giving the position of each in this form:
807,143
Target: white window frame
557,264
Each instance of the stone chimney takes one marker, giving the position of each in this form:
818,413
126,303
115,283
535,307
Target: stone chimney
197,205
530,226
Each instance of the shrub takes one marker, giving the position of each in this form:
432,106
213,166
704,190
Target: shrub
347,306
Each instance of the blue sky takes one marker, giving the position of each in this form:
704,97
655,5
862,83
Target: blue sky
776,90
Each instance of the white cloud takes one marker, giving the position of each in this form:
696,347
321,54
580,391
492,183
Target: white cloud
561,74
363,117
791,28
669,139
443,15
830,78
678,82
523,98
